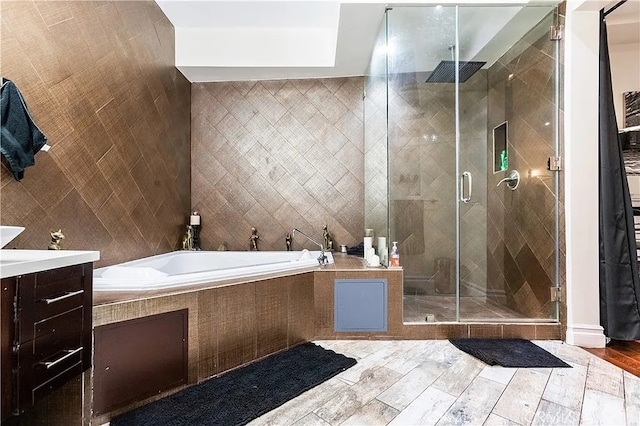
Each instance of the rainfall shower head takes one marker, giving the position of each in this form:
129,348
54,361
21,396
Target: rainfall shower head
445,72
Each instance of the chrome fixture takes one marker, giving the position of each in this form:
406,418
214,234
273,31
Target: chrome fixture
328,241
513,180
253,240
187,239
466,177
322,259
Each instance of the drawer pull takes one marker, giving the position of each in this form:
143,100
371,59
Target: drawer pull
64,296
69,353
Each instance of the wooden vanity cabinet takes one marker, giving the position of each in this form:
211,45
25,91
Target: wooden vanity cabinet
46,333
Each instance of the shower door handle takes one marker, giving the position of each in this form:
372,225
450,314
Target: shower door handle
466,177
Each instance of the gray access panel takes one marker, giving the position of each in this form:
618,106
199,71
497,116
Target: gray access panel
360,304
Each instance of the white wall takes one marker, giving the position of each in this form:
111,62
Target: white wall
625,74
581,165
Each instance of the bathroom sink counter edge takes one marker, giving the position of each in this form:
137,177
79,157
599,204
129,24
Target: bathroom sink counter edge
19,262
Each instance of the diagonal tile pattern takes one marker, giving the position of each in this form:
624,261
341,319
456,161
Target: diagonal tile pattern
444,386
508,246
276,155
521,224
97,80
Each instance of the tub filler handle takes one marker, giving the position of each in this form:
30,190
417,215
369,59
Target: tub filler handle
322,259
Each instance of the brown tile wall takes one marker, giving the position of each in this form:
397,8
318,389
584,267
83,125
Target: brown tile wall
506,235
99,80
521,223
275,155
422,181
376,203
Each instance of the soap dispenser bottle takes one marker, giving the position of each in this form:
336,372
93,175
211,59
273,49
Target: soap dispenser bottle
395,255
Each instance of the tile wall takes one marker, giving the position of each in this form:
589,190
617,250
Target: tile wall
422,179
376,202
99,80
521,223
275,155
507,250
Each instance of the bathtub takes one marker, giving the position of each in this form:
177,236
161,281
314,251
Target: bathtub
183,268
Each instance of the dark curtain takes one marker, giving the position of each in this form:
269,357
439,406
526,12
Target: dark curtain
619,281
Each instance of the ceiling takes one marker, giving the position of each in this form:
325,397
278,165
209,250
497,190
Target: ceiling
269,39
623,24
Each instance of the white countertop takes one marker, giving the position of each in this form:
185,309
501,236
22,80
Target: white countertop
19,262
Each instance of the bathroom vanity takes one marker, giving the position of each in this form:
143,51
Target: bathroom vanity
46,307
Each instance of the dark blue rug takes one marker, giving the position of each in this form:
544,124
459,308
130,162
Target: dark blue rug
518,353
241,395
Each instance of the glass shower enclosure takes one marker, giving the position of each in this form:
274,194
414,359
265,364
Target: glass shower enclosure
461,122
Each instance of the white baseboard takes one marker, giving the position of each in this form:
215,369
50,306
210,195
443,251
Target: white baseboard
586,336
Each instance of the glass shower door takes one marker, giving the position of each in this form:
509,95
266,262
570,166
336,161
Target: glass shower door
471,121
507,131
422,158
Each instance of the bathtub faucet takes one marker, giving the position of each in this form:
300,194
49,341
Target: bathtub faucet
322,259
187,239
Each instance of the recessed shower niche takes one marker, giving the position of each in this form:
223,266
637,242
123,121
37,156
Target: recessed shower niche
472,250
500,148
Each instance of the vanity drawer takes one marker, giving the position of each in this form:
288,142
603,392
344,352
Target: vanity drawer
47,294
58,333
51,333
38,382
47,279
37,370
49,359
55,382
60,324
58,303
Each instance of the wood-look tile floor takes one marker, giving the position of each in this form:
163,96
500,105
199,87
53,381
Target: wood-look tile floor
434,383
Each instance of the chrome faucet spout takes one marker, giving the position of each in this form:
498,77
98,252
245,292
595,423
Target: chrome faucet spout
293,234
322,259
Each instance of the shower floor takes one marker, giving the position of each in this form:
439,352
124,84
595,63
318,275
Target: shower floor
443,308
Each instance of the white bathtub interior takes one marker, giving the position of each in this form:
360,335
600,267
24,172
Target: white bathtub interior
192,267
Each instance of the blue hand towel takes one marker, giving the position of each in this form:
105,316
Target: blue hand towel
21,139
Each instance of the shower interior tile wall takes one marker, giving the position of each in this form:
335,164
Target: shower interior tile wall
521,223
376,203
509,257
276,155
423,180
99,80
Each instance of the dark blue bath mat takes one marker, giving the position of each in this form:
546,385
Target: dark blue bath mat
517,353
242,395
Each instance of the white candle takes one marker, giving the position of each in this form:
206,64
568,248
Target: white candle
367,245
195,219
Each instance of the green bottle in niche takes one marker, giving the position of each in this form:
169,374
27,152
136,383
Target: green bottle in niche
504,160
